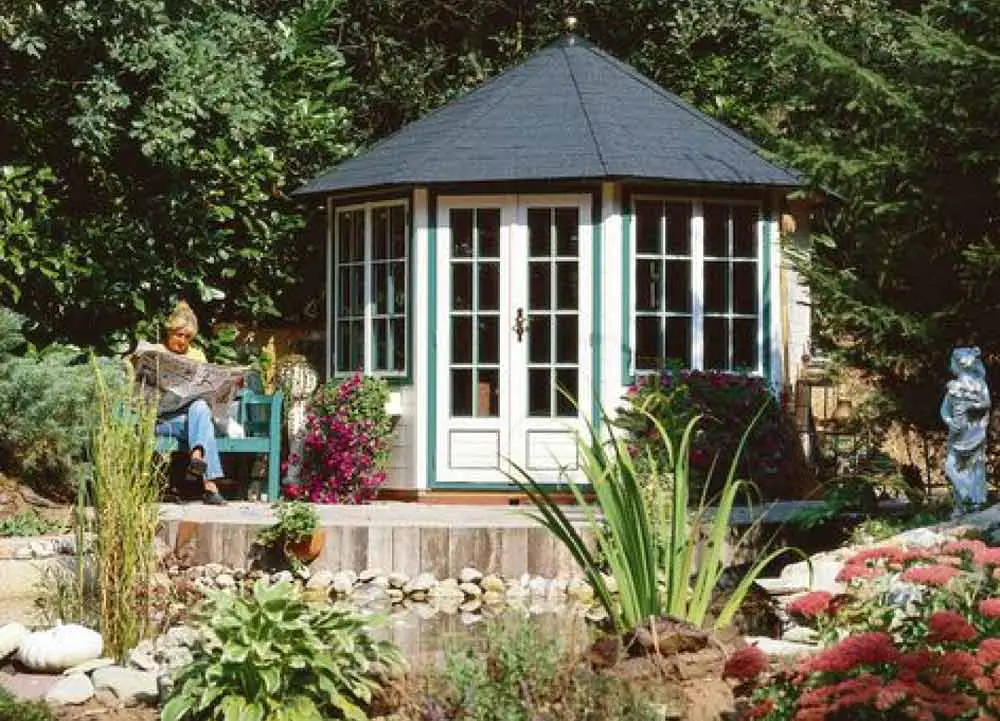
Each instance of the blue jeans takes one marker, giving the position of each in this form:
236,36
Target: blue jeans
194,426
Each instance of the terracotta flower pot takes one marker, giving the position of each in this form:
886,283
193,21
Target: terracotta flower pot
307,549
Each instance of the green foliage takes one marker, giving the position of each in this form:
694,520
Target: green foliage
27,523
188,123
297,521
650,549
128,477
13,710
725,402
273,656
524,673
46,411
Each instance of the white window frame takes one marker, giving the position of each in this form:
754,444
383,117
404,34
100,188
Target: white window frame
696,229
369,290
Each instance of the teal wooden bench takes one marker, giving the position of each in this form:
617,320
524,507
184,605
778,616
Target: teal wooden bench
260,416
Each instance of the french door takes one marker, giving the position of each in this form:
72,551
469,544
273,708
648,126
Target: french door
514,300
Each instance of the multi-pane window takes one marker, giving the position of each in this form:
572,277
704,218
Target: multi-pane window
370,272
697,285
731,288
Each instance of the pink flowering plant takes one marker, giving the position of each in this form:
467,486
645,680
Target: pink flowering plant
917,636
347,443
725,402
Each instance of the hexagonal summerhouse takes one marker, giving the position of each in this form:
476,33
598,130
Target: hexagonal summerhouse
568,225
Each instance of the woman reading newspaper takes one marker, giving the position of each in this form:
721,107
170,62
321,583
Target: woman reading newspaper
191,396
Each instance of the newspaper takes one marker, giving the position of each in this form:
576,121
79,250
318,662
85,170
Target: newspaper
176,381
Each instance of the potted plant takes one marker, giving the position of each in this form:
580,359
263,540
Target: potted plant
296,533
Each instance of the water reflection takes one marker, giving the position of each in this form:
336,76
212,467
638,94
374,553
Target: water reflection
425,633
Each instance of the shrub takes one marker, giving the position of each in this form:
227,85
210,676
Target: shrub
726,402
273,656
46,411
523,674
347,443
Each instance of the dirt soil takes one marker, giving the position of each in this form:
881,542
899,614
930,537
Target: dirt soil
93,711
16,497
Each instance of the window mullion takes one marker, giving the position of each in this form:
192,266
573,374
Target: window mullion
697,285
730,310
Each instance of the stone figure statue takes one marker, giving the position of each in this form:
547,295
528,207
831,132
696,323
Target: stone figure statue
966,412
300,380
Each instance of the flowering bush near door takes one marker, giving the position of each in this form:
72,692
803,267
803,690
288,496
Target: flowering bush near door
347,443
917,637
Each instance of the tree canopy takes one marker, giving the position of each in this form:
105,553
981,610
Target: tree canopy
150,145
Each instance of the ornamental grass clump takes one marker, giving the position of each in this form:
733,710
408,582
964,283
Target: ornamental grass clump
655,552
128,476
347,444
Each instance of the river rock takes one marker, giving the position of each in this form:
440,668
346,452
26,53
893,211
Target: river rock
395,595
825,570
775,648
423,582
282,577
538,586
471,606
342,582
11,635
492,582
129,686
370,574
800,634
580,591
398,580
59,648
320,581
225,580
470,589
142,659
73,689
469,575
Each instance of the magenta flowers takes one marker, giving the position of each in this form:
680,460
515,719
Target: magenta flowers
347,442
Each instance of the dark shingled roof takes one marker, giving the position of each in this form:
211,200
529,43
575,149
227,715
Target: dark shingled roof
570,111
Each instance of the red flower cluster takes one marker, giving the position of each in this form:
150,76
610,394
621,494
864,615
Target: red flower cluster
858,650
811,605
988,652
854,572
987,557
745,664
946,626
990,607
963,547
935,575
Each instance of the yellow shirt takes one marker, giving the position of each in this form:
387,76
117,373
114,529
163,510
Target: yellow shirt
195,354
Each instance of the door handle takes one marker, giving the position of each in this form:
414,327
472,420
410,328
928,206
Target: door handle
520,324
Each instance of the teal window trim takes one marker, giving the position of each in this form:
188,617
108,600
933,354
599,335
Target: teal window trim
432,297
395,379
627,376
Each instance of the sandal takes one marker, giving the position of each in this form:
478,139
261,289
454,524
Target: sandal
213,498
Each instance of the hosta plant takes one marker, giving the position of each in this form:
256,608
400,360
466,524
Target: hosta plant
274,656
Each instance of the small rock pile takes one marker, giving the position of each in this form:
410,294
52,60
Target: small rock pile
376,589
72,655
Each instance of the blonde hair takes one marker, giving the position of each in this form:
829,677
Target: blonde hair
182,317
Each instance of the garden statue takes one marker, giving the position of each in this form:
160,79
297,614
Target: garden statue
299,380
966,412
